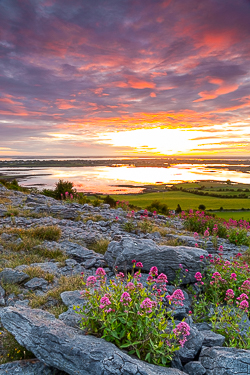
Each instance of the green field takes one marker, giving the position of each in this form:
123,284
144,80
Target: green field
185,200
234,215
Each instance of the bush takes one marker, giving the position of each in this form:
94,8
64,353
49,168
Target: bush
159,207
178,209
13,185
202,207
224,293
238,236
109,200
132,316
63,187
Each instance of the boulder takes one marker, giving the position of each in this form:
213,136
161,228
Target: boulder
166,258
67,349
192,346
10,276
225,361
36,283
28,367
194,368
77,252
212,339
72,298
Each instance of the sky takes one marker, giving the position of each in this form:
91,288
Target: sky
124,77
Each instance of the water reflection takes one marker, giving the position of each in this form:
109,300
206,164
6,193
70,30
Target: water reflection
106,179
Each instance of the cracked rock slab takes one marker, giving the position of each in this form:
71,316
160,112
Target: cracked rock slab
225,361
166,258
67,349
28,367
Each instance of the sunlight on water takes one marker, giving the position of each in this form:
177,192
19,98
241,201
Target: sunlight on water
105,179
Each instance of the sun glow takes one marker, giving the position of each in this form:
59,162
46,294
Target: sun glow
158,141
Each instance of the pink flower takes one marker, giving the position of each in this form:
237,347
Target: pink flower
196,245
100,271
244,305
182,329
198,276
133,261
216,275
201,257
229,294
104,302
125,298
130,286
196,236
233,276
220,248
139,265
245,286
120,275
116,218
91,280
177,297
147,305
206,233
162,278
242,296
108,311
153,271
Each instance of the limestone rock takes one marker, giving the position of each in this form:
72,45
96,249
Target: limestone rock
28,367
166,258
10,276
225,361
194,368
212,339
67,349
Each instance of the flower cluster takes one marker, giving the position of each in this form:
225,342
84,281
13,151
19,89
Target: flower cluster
183,330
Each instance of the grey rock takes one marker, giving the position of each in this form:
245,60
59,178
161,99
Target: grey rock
77,252
1,248
212,339
36,283
72,298
90,263
10,276
67,349
225,361
203,326
3,212
28,367
2,295
71,318
194,368
165,258
192,346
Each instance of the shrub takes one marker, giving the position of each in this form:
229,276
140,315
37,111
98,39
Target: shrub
223,292
14,185
132,316
178,209
202,207
160,208
109,200
238,236
63,189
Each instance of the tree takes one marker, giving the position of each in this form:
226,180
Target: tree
178,209
202,207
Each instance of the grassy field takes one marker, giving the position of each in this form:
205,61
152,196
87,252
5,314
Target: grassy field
234,215
185,200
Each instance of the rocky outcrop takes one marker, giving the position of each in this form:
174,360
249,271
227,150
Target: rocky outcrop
166,258
67,349
225,361
10,276
28,367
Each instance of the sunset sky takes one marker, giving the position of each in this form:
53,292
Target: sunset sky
124,77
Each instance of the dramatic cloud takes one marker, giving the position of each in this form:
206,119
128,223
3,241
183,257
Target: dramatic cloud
74,72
